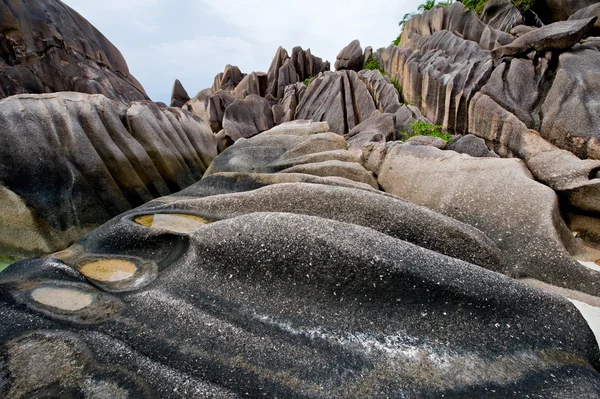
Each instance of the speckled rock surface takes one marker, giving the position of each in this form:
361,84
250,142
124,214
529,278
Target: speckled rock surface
172,301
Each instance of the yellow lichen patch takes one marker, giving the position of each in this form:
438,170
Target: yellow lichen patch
70,299
107,270
176,222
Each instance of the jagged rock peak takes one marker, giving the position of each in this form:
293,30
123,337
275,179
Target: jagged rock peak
286,70
179,95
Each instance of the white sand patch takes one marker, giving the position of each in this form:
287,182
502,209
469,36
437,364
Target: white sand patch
591,314
590,265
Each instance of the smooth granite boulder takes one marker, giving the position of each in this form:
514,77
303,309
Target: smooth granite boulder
180,303
339,98
589,12
248,117
471,145
300,147
46,46
253,83
378,128
500,198
350,57
71,161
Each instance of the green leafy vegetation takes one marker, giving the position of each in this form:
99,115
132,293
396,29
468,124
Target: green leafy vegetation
420,128
308,80
523,5
397,85
373,64
475,5
5,261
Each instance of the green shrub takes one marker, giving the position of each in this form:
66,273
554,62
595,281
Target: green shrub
475,5
308,80
373,64
420,128
398,87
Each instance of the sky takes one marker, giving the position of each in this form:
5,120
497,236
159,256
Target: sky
193,40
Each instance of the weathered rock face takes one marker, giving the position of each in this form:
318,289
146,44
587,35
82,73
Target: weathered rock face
248,117
379,128
45,46
294,148
483,192
557,36
589,12
351,57
471,145
574,179
440,83
571,110
286,70
551,11
246,286
178,95
341,99
253,83
501,15
285,110
210,106
454,18
228,79
71,161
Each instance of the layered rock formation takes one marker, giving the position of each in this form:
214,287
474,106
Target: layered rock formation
286,243
214,291
45,46
71,161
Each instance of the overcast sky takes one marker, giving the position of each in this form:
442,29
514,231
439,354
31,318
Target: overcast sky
193,40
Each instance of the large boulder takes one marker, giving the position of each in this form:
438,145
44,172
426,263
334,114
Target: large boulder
378,128
228,79
497,196
45,46
248,117
294,147
350,57
340,98
571,110
471,145
550,11
589,12
210,107
557,36
501,15
71,161
253,83
172,301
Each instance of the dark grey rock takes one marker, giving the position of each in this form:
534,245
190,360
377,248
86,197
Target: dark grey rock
77,160
550,11
253,83
557,36
210,107
178,95
501,15
351,57
46,46
471,145
339,98
590,11
378,128
248,117
228,79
